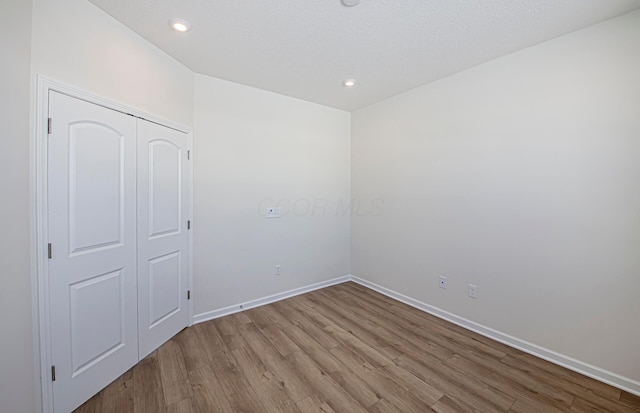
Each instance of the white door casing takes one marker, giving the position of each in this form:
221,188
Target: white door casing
92,231
163,240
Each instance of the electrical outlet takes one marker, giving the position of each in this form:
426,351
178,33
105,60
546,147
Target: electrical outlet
443,282
278,269
473,291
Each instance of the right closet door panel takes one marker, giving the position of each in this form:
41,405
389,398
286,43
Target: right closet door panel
162,234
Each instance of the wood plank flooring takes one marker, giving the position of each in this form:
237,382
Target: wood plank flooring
347,349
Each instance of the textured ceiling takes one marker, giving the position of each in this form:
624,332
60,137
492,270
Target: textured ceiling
306,48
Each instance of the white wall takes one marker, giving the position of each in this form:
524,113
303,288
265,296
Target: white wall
522,176
17,371
251,146
77,43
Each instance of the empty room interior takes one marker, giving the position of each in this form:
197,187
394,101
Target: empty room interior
320,206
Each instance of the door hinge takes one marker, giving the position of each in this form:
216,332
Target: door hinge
49,126
49,253
188,154
188,294
53,373
188,224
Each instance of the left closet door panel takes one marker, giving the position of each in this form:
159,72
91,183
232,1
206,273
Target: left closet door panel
92,231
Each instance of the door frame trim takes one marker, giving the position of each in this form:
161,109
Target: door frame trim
40,286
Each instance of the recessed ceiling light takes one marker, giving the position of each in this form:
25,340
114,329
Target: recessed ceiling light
180,25
349,83
350,3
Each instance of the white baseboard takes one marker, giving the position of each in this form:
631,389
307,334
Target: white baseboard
210,315
594,372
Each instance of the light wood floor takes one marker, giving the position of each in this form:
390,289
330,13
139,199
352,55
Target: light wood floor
347,349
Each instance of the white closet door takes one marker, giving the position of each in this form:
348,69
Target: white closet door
163,189
92,231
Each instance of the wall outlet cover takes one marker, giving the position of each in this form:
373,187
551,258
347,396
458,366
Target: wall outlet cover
473,291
